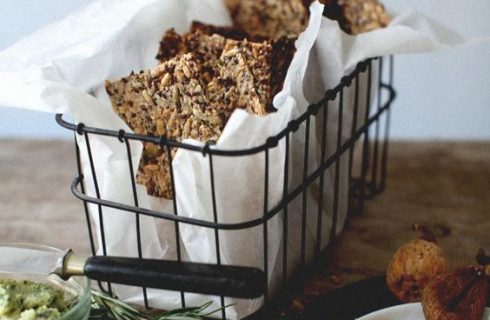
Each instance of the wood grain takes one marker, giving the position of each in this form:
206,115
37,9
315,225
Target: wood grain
442,185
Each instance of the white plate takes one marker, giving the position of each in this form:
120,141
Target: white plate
409,311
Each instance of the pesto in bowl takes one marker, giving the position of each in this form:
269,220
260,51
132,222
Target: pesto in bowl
43,297
27,300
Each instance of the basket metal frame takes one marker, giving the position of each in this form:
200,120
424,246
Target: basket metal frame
373,137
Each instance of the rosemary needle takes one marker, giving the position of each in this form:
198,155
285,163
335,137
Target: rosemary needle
105,307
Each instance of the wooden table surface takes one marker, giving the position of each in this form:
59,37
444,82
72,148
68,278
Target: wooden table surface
443,185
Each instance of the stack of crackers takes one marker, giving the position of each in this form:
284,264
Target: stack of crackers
203,76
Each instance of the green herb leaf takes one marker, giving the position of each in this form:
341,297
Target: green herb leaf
105,307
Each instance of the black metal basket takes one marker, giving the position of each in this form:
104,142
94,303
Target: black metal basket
366,149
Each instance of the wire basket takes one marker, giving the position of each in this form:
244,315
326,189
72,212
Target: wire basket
363,150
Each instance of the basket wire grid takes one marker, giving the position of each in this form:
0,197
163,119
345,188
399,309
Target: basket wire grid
367,171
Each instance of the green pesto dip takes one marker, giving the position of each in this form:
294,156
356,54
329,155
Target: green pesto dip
26,300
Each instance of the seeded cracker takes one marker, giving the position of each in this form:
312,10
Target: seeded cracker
283,51
244,79
227,32
210,44
129,102
269,18
357,16
182,112
207,49
170,45
181,108
171,101
175,100
204,76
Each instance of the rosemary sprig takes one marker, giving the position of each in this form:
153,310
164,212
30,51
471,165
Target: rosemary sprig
105,307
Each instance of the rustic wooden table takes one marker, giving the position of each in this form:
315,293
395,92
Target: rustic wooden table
445,186
442,185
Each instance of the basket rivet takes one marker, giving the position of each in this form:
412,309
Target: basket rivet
120,135
162,141
271,142
80,128
363,66
347,81
330,94
314,109
293,125
206,149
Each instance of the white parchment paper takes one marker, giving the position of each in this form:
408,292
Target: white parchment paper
62,68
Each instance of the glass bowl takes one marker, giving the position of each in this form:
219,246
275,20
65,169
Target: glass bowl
77,288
